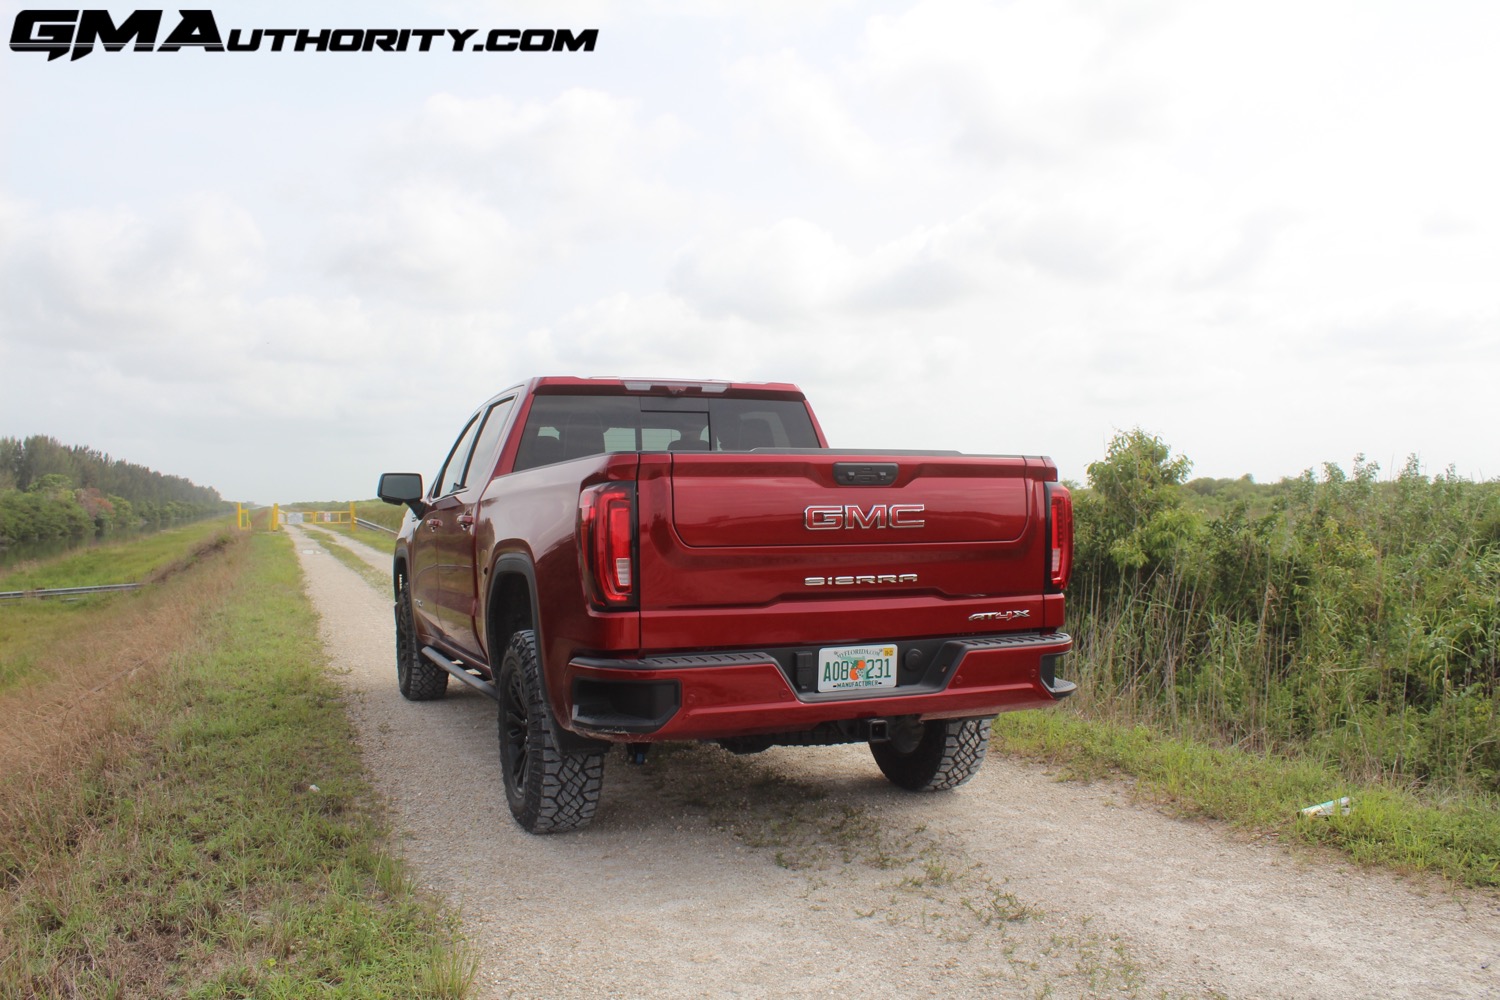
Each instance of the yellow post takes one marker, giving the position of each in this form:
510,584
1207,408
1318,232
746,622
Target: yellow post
276,517
239,514
353,522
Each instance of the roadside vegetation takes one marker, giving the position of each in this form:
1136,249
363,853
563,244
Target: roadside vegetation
373,537
183,811
30,628
384,514
1247,650
54,496
124,561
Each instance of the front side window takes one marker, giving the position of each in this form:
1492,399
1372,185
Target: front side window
457,460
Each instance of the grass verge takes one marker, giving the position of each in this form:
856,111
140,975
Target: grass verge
377,540
210,833
128,561
37,636
380,580
1458,838
380,512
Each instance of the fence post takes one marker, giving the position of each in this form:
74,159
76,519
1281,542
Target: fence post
353,521
276,517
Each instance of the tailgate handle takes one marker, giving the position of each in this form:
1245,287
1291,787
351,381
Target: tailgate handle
865,473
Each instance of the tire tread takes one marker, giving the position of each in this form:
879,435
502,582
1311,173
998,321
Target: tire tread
416,678
949,753
560,790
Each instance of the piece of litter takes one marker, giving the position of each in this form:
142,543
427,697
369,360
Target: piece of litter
1343,805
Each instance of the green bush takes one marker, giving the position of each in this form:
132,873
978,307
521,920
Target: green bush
1333,613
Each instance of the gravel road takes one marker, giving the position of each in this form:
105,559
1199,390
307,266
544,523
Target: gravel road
801,872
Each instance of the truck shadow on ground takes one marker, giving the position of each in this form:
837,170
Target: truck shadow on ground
817,831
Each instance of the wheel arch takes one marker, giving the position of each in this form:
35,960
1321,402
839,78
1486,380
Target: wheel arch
511,605
398,574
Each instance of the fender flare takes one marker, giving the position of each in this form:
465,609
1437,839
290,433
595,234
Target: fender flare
520,564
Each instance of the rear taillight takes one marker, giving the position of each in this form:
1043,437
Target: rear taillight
1060,534
606,543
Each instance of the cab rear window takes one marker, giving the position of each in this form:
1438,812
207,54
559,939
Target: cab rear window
564,427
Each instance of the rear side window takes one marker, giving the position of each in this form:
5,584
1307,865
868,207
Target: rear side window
482,462
560,428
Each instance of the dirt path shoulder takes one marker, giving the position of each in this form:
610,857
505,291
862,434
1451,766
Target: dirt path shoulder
802,873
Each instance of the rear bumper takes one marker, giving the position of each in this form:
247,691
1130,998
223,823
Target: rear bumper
706,696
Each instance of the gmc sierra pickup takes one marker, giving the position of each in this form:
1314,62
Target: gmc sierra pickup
620,561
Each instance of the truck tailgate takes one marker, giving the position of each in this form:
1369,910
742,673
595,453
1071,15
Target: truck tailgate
736,500
893,545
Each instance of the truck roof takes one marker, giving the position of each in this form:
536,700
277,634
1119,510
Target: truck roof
656,386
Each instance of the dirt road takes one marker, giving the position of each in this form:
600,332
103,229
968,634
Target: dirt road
802,873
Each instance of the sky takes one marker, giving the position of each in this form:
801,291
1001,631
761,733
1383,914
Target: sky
1267,233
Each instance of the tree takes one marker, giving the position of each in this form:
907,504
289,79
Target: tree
1132,516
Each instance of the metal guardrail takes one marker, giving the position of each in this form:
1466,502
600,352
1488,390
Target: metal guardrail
371,524
11,595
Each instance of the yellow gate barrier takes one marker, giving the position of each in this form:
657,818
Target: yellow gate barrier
242,517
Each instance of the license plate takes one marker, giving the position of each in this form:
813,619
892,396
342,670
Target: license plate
856,668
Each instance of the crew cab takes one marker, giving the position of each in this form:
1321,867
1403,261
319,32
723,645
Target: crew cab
623,561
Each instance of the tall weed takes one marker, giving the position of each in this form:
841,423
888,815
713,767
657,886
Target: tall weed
1354,619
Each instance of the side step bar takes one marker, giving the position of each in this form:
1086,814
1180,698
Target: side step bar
460,672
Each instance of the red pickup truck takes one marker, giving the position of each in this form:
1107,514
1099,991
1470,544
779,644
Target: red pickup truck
622,561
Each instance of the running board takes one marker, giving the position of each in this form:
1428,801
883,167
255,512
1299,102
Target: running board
460,672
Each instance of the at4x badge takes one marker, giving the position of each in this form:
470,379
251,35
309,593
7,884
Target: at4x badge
999,616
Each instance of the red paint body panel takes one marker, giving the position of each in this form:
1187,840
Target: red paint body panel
760,500
725,560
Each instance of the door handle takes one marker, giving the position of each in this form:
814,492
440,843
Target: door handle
434,524
466,520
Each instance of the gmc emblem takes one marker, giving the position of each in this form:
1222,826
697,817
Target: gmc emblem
850,516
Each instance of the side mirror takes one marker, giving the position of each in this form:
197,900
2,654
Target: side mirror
402,488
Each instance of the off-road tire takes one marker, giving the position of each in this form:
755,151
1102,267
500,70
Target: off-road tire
948,753
548,790
416,677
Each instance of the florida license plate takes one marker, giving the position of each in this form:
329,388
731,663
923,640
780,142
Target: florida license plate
856,668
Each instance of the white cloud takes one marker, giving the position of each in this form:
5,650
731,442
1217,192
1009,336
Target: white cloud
803,112
586,160
84,277
1268,234
435,245
1031,80
778,272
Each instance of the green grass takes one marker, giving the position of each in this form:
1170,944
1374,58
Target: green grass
202,863
26,624
381,513
380,541
1458,837
128,561
380,580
